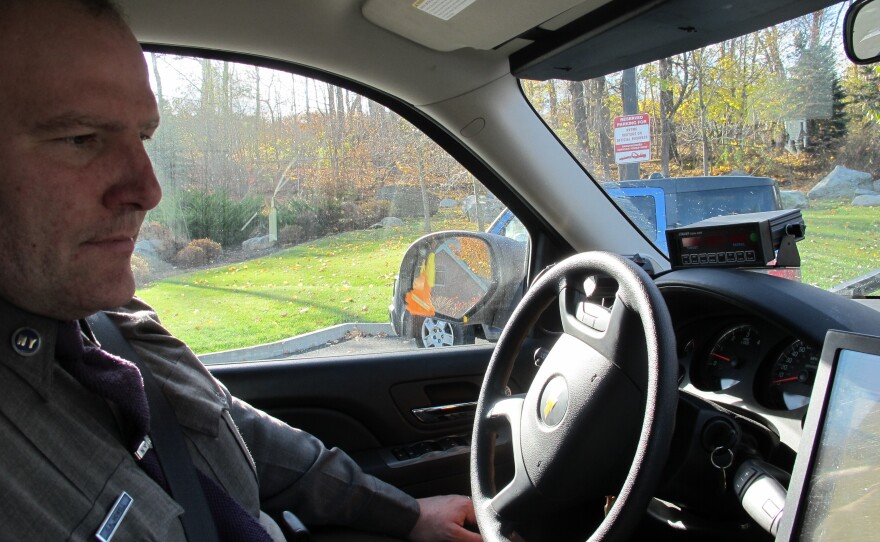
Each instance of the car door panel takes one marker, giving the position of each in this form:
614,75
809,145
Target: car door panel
364,405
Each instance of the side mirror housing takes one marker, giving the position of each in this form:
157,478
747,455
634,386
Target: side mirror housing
861,32
459,276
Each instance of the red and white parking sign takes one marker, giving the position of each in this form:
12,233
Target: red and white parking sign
632,138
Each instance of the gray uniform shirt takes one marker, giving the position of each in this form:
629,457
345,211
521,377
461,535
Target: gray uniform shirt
64,465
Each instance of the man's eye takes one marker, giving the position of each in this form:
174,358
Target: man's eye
79,140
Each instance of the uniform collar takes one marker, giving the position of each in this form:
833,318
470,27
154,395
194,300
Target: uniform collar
27,346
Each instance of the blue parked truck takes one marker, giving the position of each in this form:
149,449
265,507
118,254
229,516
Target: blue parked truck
657,204
654,205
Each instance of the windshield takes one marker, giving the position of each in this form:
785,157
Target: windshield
777,119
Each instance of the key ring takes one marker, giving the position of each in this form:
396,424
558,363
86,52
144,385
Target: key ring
715,457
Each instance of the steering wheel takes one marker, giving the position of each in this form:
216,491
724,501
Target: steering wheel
598,417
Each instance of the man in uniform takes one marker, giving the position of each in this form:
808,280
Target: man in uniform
75,184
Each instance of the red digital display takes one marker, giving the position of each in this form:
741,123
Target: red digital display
691,242
730,239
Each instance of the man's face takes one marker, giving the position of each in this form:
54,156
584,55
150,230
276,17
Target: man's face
75,180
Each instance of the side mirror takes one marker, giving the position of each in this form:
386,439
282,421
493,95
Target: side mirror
457,281
861,32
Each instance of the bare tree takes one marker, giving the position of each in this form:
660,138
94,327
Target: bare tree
673,92
579,117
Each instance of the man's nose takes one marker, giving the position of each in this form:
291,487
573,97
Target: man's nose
136,185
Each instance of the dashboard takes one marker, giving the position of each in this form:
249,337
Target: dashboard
752,341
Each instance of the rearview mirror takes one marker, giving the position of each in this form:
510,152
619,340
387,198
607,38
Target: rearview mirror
861,32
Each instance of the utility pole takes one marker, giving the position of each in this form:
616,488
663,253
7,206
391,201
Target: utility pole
630,94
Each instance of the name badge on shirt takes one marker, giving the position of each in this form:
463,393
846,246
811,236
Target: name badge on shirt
114,518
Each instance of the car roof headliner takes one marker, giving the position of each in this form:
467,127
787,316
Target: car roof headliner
393,46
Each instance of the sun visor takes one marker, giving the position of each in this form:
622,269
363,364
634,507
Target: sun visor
626,33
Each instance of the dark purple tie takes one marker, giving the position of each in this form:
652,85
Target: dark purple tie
119,380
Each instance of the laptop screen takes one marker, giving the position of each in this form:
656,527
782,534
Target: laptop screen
834,492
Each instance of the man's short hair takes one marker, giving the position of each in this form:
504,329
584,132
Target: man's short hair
102,8
96,8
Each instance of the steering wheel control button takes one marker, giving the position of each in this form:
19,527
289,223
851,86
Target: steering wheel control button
26,341
593,315
540,356
554,402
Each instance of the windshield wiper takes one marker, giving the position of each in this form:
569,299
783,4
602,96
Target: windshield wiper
859,287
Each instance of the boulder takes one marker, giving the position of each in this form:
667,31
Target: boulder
406,201
468,201
794,199
867,201
877,185
151,251
448,203
147,248
257,243
489,208
863,192
387,222
841,183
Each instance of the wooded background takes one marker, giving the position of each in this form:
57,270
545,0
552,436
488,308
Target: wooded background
783,102
235,139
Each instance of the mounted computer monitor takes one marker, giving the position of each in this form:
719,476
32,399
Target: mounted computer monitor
834,492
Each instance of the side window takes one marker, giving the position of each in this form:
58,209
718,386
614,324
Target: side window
288,207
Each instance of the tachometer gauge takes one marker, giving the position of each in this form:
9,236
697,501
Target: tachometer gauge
732,352
792,375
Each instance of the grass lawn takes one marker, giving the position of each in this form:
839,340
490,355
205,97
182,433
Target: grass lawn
337,279
349,277
842,243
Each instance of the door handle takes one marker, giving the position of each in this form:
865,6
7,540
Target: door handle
445,413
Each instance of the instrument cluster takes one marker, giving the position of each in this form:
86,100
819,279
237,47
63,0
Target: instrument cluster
750,359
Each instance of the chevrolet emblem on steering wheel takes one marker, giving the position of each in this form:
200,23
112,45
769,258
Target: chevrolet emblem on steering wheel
554,401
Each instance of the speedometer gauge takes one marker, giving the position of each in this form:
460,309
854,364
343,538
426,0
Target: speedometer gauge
792,375
732,352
